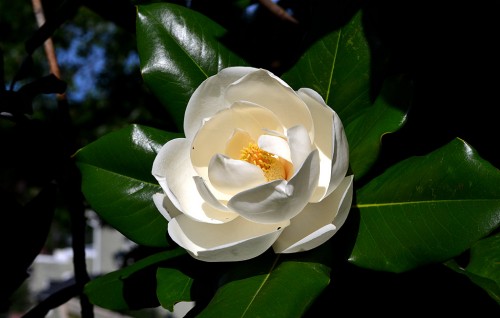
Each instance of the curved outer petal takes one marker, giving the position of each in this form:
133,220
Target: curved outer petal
213,135
300,145
264,88
237,240
279,200
330,140
318,222
233,176
208,98
165,206
340,160
209,197
172,168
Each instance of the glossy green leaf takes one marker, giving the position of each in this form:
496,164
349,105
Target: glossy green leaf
178,49
173,287
484,266
387,115
269,287
426,209
132,287
338,68
23,233
117,182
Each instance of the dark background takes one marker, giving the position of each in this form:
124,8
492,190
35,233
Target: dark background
448,50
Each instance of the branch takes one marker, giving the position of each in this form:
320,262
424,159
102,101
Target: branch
278,11
48,44
55,300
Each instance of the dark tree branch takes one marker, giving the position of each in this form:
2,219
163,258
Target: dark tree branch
53,301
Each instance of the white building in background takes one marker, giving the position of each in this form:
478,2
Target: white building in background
101,258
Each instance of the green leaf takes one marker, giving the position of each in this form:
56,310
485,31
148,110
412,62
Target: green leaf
338,68
178,49
387,115
484,266
131,287
117,182
173,287
23,233
426,209
269,287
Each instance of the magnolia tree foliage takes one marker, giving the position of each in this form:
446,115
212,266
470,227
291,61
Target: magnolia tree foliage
413,218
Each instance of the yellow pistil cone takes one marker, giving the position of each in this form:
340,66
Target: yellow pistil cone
271,165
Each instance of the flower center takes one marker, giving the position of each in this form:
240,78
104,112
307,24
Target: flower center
271,164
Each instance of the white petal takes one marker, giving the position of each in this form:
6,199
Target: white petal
275,133
165,206
275,145
300,144
264,88
161,165
318,222
346,201
233,176
279,200
237,240
172,168
331,142
213,136
340,160
209,197
239,140
208,98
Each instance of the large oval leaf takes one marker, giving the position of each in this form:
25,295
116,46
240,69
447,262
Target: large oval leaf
117,182
132,287
173,286
387,115
484,266
269,287
338,68
178,49
23,233
426,209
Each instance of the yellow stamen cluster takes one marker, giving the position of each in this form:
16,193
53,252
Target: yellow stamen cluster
270,164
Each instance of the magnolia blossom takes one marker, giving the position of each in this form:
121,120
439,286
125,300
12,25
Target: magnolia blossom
261,166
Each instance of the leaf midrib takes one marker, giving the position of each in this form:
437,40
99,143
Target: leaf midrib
333,68
119,174
371,205
266,278
162,26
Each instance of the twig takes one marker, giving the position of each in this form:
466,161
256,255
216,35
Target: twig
53,301
69,178
48,45
277,10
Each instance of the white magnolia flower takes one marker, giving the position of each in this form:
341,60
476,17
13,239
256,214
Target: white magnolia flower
262,165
